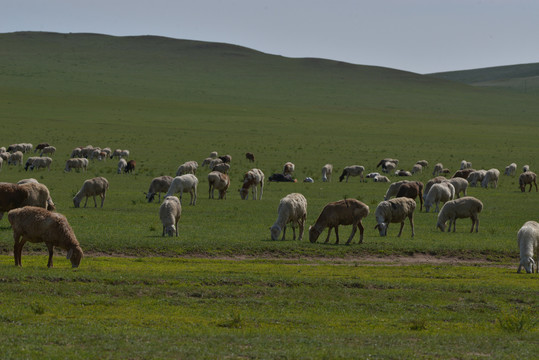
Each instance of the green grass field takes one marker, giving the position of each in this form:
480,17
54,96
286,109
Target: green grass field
223,288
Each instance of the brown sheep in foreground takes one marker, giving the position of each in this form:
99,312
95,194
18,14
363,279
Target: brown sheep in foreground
35,224
342,212
218,181
412,190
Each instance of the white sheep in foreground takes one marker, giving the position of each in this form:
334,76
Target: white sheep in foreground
438,168
187,183
393,189
292,210
288,168
218,181
35,224
252,179
170,212
92,187
42,162
342,212
428,185
352,170
460,185
441,192
188,167
159,185
327,170
510,170
476,177
528,240
394,211
122,163
491,177
529,177
464,207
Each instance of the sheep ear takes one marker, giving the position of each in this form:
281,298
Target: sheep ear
69,253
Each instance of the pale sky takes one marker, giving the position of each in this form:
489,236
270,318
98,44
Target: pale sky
422,36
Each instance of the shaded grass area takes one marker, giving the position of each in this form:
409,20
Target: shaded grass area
158,307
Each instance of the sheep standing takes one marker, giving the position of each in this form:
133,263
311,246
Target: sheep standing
438,168
465,207
423,163
159,185
417,169
465,165
189,167
288,168
436,180
510,170
92,187
393,189
389,166
526,178
292,210
50,150
42,162
122,164
394,211
327,170
342,212
170,212
29,162
252,179
187,182
32,193
15,158
35,224
463,173
130,167
353,170
221,182
491,177
222,168
526,168
411,190
41,146
226,159
528,239
76,163
460,185
250,156
476,177
441,192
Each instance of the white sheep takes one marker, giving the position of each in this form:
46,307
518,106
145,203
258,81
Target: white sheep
510,170
187,183
465,165
206,162
528,177
528,240
15,158
476,177
218,181
441,192
491,177
394,211
214,154
389,166
214,163
342,212
92,187
464,207
170,212
35,224
372,175
393,189
50,150
222,168
428,185
438,168
423,163
381,178
417,169
122,163
159,185
30,193
42,162
76,163
327,170
29,162
526,168
188,167
76,153
460,185
292,210
288,168
252,179
50,203
353,170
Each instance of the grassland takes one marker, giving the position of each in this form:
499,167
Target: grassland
169,101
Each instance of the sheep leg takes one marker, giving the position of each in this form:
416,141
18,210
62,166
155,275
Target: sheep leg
337,234
329,232
354,229
86,202
421,202
261,191
284,232
400,231
163,234
411,224
455,224
17,247
193,197
293,232
301,228
210,193
102,199
50,247
95,202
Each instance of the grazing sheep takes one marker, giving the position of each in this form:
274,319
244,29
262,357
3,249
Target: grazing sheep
159,185
393,189
403,173
438,168
476,177
460,185
30,193
188,183
252,179
387,160
389,166
214,163
122,164
394,211
222,168
292,210
29,162
92,187
327,170
15,158
170,212
36,225
130,167
441,192
528,239
50,203
50,150
116,153
124,153
411,190
417,169
423,163
206,162
77,163
526,168
250,156
342,212
491,177
526,178
41,146
353,170
510,170
465,207
42,162
288,168
281,178
214,155
226,159
76,153
381,178
463,173
189,167
436,180
5,156
465,165
221,182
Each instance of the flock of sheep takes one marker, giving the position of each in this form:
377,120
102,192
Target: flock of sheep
32,216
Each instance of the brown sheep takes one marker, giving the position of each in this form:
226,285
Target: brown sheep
14,196
35,225
130,167
218,180
526,178
463,173
342,212
250,156
412,190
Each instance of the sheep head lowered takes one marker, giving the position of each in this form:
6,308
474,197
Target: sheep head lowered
74,255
